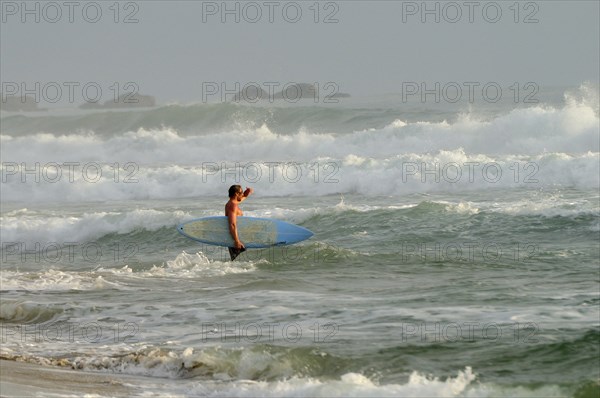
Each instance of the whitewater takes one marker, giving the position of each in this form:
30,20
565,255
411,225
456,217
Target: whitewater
456,249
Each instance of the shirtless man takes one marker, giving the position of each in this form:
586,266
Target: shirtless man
232,211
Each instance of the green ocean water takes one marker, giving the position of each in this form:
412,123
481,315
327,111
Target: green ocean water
455,253
432,284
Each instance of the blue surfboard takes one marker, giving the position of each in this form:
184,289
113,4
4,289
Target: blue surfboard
255,233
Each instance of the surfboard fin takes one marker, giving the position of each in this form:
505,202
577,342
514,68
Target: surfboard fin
233,252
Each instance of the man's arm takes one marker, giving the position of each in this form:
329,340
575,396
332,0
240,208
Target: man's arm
232,220
247,192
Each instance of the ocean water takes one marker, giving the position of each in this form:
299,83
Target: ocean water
456,249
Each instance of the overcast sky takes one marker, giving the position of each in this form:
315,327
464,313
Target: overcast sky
368,47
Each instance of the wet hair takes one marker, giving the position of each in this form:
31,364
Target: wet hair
234,189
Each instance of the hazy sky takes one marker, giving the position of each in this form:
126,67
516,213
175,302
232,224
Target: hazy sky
170,48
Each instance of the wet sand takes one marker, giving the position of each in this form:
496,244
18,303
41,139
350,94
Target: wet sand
20,379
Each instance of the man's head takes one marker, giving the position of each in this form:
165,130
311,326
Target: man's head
235,190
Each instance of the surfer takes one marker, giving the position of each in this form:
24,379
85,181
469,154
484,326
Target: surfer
232,211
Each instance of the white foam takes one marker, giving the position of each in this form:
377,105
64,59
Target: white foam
196,265
54,280
215,371
358,385
184,265
443,171
549,206
30,228
534,147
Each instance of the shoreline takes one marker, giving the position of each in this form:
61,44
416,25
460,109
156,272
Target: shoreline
22,379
